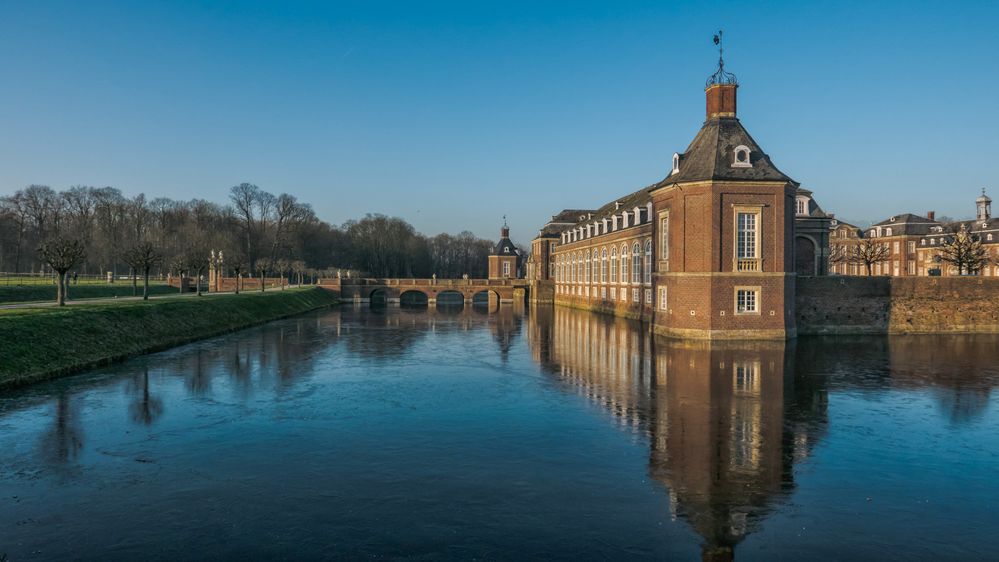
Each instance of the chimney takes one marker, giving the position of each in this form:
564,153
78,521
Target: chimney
720,100
505,231
932,215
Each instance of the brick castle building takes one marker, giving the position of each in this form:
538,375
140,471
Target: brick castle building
707,252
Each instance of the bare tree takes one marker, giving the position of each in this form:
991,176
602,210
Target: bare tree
142,257
866,252
964,251
262,266
282,267
62,254
238,264
197,262
299,269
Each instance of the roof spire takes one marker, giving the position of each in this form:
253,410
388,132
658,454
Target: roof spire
721,76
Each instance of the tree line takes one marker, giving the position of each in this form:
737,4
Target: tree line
95,230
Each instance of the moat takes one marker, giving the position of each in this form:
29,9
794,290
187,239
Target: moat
513,434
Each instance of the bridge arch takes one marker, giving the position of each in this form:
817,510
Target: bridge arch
414,298
486,299
450,299
378,297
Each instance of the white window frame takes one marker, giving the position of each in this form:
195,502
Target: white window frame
748,252
746,297
663,299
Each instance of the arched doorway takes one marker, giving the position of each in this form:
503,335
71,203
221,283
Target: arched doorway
804,256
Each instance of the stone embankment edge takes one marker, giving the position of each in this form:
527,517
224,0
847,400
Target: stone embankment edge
7,383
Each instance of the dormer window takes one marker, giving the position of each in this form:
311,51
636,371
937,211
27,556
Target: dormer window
801,206
506,249
676,162
741,157
888,232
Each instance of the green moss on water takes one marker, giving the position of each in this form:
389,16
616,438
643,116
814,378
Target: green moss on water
43,343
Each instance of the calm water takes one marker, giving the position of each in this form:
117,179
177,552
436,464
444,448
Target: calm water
519,434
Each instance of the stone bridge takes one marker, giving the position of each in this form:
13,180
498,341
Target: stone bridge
392,291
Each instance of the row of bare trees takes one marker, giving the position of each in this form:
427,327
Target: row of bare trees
962,250
96,230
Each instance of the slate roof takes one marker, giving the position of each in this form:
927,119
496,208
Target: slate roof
711,153
637,199
908,224
505,247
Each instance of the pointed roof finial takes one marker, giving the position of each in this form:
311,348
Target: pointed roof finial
504,221
721,76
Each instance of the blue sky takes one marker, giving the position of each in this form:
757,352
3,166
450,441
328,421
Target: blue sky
452,114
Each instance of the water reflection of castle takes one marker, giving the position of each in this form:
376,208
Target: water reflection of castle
725,422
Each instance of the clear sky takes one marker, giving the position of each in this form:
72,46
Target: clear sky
452,114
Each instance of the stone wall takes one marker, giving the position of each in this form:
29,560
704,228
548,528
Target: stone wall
897,305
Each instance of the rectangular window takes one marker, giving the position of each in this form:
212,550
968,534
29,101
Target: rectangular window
801,206
603,292
912,247
648,296
506,269
747,301
613,293
894,248
634,295
747,242
662,298
624,294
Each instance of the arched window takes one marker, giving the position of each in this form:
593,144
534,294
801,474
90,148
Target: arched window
740,157
596,266
603,265
636,263
586,279
613,265
648,261
572,269
676,163
888,231
624,263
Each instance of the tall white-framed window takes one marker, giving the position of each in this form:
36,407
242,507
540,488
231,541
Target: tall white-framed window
506,269
586,259
624,263
801,206
747,300
603,292
636,264
648,263
676,163
603,265
664,235
613,265
596,268
635,295
747,239
662,299
613,293
648,296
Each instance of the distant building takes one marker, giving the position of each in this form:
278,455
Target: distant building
505,261
913,243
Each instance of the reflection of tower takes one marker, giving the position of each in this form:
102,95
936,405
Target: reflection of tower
725,421
717,437
505,326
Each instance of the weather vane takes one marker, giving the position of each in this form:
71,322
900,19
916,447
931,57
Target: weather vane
721,76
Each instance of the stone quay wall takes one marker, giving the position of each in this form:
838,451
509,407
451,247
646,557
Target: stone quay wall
897,305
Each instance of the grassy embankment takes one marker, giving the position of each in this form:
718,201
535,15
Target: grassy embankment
47,292
43,343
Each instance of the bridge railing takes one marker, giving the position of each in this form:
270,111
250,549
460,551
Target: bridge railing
412,282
